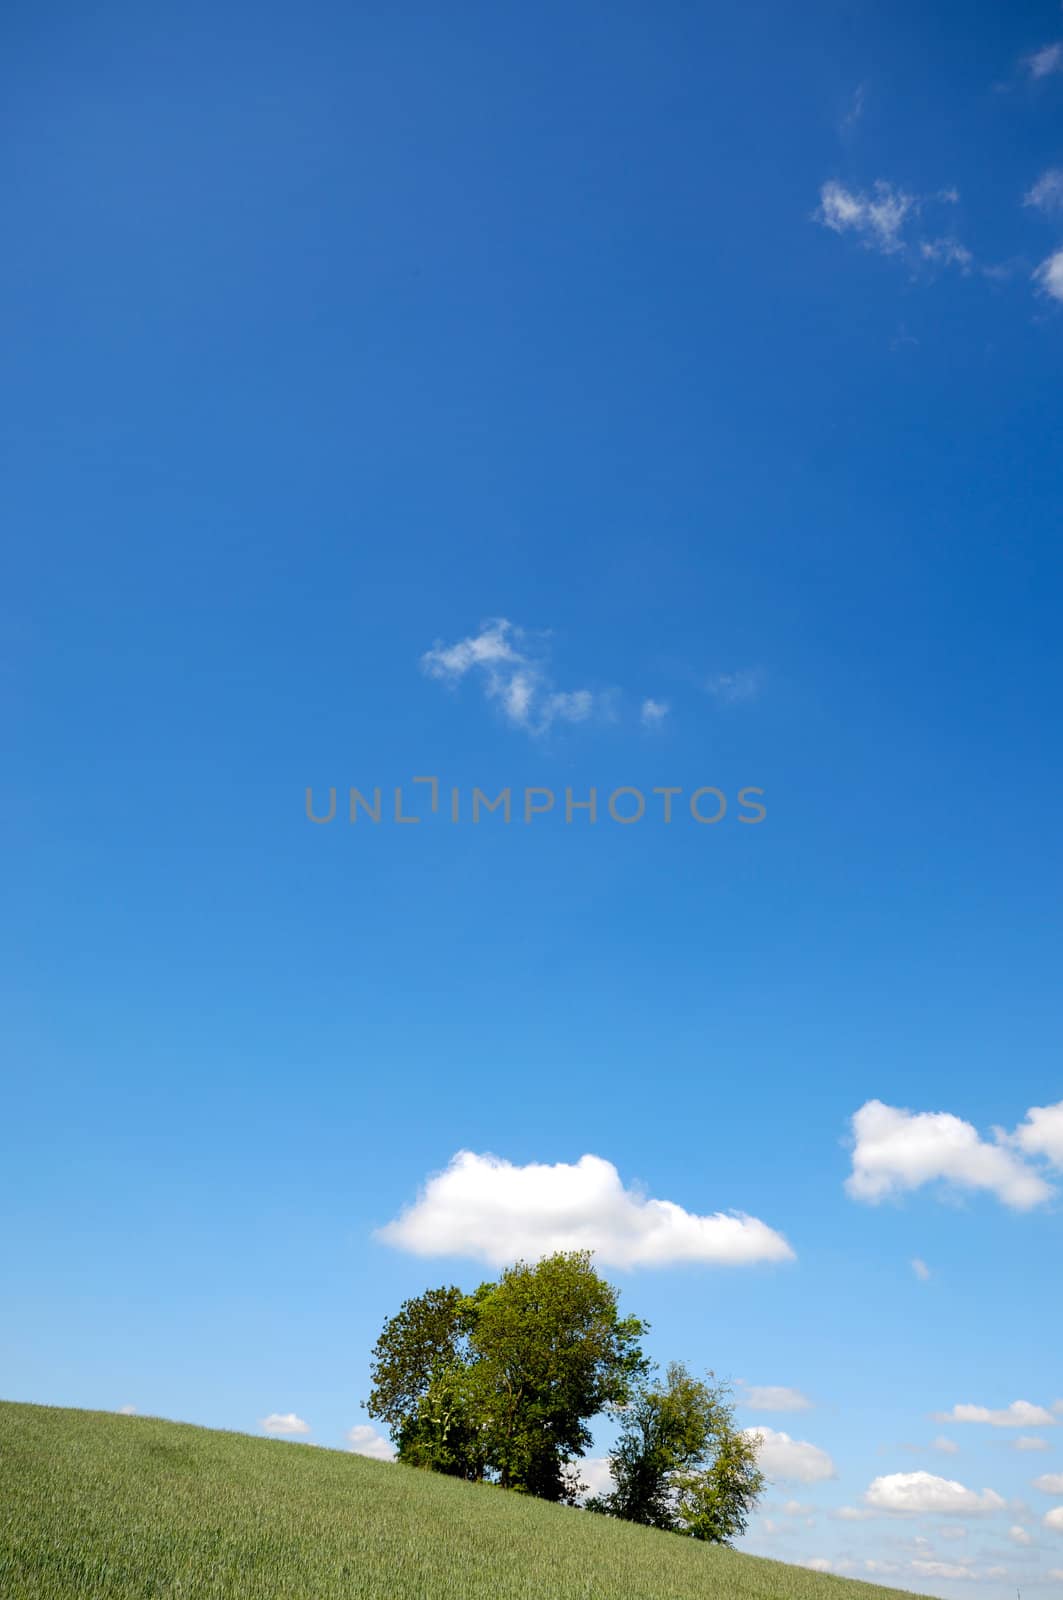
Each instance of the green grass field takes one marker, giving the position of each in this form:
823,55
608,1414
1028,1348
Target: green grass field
96,1505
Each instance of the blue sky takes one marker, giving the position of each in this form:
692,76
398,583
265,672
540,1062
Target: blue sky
554,399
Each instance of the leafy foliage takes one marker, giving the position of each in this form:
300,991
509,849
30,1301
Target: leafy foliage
680,1462
502,1384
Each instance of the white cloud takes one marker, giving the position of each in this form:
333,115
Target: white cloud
946,252
854,1514
653,712
1047,192
490,1209
127,1411
734,687
772,1397
512,669
877,218
1019,1535
1020,1414
1029,1442
945,1447
1049,276
818,1564
595,1472
880,220
1042,1132
896,1150
1054,1519
921,1270
1044,62
791,1460
1049,1483
921,1493
285,1424
855,109
923,1568
365,1441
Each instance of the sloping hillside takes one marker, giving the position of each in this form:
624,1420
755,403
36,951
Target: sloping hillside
110,1507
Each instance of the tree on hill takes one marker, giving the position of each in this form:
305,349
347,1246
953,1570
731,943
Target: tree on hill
680,1463
502,1384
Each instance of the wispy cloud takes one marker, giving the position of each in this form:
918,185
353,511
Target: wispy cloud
653,712
495,1211
734,687
1019,1414
513,669
1047,193
946,252
774,1397
854,110
1045,62
877,218
880,219
921,1270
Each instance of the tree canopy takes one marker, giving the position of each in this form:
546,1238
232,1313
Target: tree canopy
502,1384
680,1463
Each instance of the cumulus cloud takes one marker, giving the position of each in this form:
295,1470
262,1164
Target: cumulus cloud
787,1460
127,1411
595,1473
365,1441
1049,1483
1041,1134
854,1514
1054,1519
922,1494
818,1564
1046,61
653,713
512,668
495,1211
895,1151
285,1424
774,1397
1020,1414
1047,193
1019,1535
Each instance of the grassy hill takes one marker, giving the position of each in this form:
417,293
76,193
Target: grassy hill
109,1507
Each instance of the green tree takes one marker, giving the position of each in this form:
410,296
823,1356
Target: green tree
552,1351
680,1463
504,1382
419,1370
